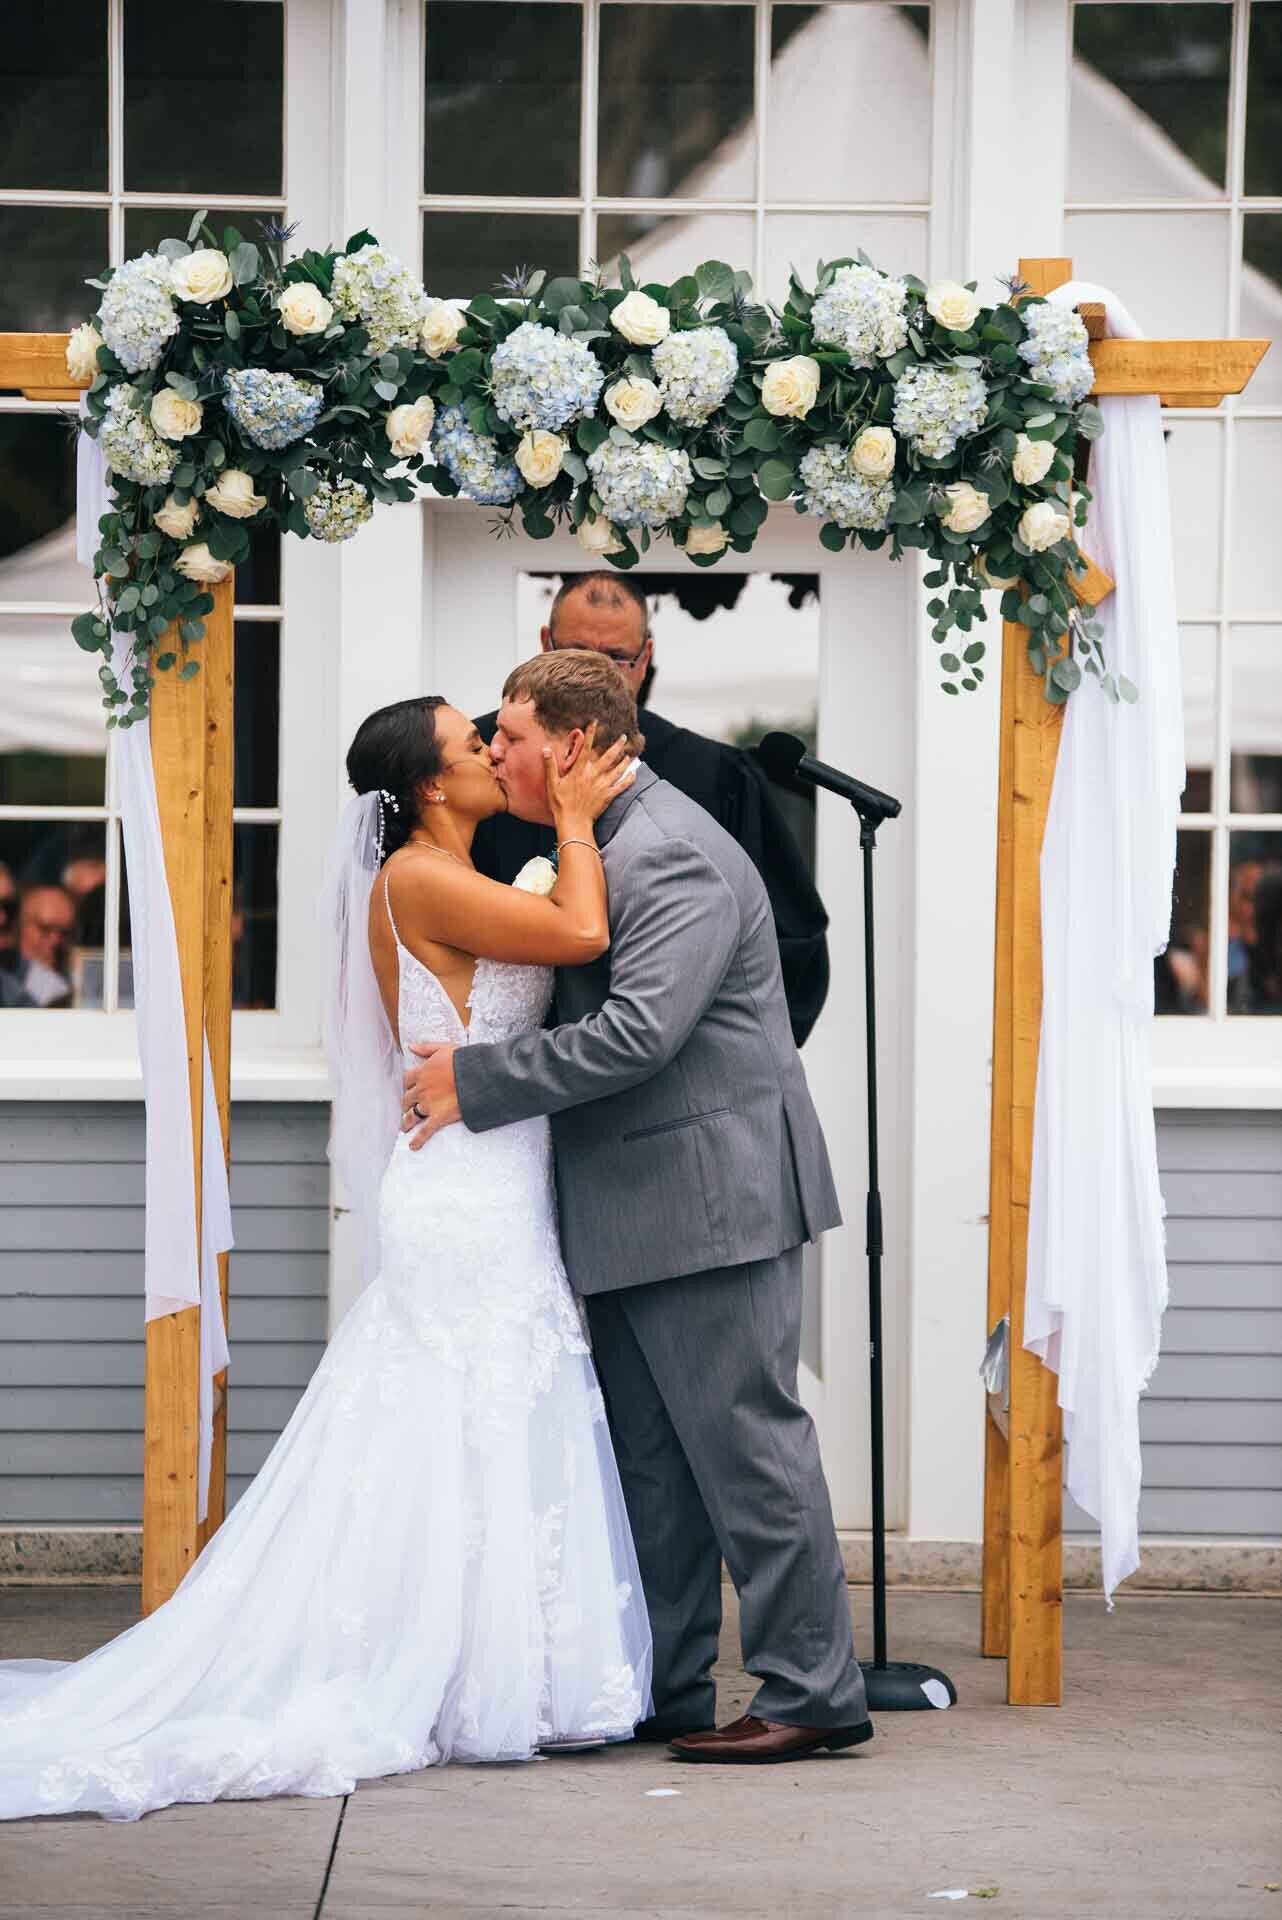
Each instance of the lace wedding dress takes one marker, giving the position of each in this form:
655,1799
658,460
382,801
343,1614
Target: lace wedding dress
435,1561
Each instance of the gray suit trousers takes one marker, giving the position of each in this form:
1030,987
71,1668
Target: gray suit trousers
719,1459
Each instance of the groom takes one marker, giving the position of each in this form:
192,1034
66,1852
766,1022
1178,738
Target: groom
691,1169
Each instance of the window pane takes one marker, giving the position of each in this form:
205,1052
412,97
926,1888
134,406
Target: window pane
501,91
845,83
895,242
51,252
1150,101
1171,269
234,54
1255,553
253,916
1197,653
1255,720
663,246
53,96
258,578
146,227
1194,457
1255,923
52,732
675,112
468,253
1264,100
1261,305
257,728
1180,974
37,526
56,869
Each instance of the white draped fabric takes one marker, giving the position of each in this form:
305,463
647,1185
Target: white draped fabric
176,1272
1096,1281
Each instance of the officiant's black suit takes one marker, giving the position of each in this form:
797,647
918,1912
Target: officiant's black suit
731,787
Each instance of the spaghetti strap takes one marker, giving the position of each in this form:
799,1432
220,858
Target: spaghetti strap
387,902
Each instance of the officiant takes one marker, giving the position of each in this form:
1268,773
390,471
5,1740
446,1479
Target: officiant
608,613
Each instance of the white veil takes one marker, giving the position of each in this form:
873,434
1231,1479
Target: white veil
364,1064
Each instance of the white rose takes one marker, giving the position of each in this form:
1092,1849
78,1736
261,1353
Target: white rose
408,426
633,402
82,351
953,305
999,582
539,456
710,539
442,325
1033,460
202,276
303,308
198,563
791,387
177,521
598,536
641,320
234,495
1041,526
967,507
873,454
536,876
173,417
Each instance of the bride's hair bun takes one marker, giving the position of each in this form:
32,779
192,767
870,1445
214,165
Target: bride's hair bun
395,751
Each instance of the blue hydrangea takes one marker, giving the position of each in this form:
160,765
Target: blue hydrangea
696,371
1056,350
130,444
543,379
374,287
862,311
640,484
473,460
935,407
272,409
337,509
832,490
138,316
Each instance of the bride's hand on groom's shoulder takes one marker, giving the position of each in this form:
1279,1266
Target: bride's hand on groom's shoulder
430,1100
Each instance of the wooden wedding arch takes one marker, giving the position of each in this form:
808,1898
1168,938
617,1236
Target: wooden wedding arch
191,735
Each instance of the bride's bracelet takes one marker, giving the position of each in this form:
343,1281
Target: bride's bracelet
574,842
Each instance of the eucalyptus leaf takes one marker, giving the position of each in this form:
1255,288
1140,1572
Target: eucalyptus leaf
776,479
198,221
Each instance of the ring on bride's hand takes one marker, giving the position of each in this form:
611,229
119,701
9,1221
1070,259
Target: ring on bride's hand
417,1111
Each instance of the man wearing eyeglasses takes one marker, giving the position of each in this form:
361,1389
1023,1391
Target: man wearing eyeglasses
608,613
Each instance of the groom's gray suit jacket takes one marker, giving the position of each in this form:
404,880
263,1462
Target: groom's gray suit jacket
685,1135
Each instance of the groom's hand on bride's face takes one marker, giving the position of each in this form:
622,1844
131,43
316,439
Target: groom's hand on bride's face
430,1101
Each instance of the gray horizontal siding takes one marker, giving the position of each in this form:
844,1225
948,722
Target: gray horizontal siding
1211,1421
71,1327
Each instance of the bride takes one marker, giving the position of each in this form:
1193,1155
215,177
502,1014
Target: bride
434,1563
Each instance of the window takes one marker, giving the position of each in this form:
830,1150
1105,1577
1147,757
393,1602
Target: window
556,134
1175,197
90,172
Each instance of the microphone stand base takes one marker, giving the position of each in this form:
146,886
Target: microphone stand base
901,1686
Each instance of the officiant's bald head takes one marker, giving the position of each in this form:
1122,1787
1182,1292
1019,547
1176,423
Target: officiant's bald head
606,613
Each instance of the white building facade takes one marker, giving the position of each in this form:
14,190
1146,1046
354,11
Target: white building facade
472,135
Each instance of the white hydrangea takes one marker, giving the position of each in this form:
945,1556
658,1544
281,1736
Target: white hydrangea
138,315
1056,350
696,371
473,460
543,379
374,287
337,509
831,489
130,444
863,311
641,484
935,407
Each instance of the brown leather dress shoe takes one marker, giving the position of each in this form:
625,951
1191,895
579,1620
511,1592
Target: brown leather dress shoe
758,1743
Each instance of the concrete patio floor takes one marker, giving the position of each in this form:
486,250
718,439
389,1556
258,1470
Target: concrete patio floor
1153,1791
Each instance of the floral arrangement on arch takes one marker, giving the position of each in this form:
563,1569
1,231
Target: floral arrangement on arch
231,388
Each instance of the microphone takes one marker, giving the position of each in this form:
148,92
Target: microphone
785,759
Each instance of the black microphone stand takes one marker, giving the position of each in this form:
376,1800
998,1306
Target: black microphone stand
892,1685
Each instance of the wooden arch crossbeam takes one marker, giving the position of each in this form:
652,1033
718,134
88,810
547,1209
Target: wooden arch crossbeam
191,733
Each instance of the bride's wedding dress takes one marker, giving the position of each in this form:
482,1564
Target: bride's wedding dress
433,1564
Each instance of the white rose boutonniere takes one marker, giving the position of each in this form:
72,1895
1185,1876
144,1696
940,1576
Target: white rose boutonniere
536,876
